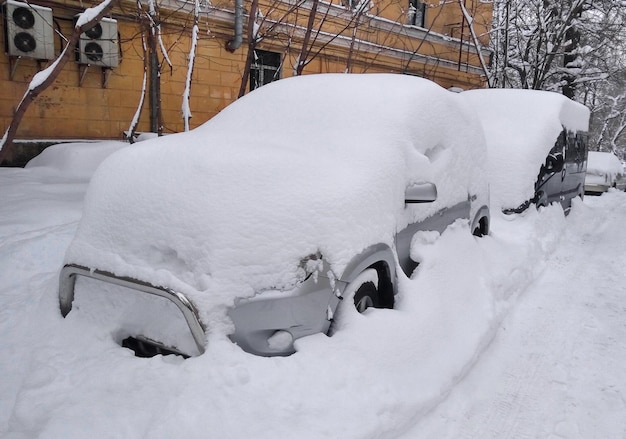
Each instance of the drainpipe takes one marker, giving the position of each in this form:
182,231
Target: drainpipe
236,42
154,82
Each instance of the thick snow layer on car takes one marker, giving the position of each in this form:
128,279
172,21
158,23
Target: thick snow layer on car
604,163
521,126
76,159
304,165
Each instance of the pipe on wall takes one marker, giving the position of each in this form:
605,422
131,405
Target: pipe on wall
236,42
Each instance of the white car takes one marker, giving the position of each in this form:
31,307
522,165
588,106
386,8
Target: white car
257,224
604,171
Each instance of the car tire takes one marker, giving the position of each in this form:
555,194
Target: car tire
362,293
366,296
481,228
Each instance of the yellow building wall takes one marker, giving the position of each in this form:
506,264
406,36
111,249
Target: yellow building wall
75,108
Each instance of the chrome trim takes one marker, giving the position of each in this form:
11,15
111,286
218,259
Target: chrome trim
302,314
67,281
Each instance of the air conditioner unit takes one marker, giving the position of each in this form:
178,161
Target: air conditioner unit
28,30
98,46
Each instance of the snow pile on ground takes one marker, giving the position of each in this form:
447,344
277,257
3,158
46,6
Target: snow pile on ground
521,126
75,159
555,367
384,374
301,166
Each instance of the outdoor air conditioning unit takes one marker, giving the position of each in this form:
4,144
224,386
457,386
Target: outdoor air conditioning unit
98,46
28,30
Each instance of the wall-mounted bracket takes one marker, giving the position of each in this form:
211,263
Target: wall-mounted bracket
13,62
82,72
106,73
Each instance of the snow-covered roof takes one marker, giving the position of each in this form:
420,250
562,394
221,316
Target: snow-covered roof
604,163
521,126
307,164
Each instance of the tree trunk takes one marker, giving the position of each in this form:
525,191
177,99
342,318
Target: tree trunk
251,46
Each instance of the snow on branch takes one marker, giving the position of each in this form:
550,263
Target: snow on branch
186,110
477,45
156,30
135,121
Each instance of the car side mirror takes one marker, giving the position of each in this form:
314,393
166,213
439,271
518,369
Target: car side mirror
554,163
420,193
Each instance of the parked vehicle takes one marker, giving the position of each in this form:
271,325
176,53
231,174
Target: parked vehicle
306,191
604,171
537,146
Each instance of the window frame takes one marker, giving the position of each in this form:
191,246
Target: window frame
416,15
265,62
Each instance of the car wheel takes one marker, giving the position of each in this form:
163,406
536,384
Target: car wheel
362,293
366,297
482,228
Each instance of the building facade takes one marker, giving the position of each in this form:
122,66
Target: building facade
98,93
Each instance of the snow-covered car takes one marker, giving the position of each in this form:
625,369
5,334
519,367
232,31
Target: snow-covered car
256,224
604,171
537,146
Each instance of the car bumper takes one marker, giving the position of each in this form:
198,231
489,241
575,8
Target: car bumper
591,188
265,325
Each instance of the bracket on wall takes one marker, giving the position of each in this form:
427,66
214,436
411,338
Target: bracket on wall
82,72
14,62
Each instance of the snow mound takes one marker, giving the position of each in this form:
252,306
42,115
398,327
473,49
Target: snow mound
78,159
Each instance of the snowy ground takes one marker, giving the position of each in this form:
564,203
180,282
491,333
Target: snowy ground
519,334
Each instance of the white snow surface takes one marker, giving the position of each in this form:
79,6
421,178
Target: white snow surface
521,126
91,13
75,159
311,164
518,334
604,163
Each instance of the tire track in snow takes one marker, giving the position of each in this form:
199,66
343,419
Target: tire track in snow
544,373
554,368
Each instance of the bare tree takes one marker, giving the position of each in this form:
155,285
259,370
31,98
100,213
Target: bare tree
305,49
608,121
470,22
132,129
555,44
186,111
281,24
573,46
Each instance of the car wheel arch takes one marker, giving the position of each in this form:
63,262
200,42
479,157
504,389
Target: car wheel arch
481,224
381,258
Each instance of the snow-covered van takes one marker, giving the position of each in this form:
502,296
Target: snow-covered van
254,226
537,146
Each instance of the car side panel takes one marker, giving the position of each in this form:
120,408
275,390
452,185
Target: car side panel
437,222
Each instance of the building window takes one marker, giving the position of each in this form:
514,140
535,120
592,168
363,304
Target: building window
417,12
354,4
264,69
